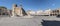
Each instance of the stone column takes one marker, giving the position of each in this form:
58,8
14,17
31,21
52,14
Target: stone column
21,13
12,13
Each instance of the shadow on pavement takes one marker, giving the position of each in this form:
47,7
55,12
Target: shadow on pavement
50,23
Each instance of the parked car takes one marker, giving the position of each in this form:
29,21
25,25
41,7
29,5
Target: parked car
58,15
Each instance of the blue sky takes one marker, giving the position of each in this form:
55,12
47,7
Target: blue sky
32,4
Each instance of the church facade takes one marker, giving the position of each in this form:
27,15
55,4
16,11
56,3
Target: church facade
18,11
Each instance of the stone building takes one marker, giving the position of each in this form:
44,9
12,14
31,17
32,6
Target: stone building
55,12
4,11
18,11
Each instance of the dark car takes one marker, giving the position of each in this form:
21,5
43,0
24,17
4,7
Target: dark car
58,15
